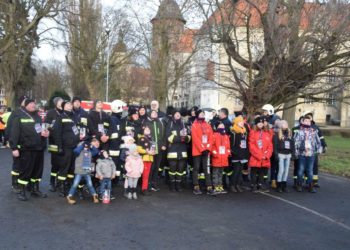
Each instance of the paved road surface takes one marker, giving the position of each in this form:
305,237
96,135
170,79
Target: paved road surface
178,221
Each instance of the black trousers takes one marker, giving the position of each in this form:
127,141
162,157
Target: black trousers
198,161
315,169
66,164
236,177
154,174
31,165
55,166
257,175
15,166
176,170
274,168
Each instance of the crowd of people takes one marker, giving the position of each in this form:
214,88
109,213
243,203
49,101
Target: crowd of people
95,153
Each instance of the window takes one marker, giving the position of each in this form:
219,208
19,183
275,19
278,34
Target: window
331,99
332,78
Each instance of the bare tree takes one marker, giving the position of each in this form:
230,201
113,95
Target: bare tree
89,35
278,51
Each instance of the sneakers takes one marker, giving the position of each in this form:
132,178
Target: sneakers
129,196
211,191
70,200
134,196
197,190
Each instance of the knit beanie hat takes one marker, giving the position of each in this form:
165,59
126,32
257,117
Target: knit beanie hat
27,101
76,98
21,99
56,100
198,112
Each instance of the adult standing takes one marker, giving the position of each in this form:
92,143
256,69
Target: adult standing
15,163
155,107
67,137
28,142
51,118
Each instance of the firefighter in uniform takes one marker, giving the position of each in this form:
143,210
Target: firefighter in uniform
51,118
28,142
15,164
178,139
99,123
67,137
115,139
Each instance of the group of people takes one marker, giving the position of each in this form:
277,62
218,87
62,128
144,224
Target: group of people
94,151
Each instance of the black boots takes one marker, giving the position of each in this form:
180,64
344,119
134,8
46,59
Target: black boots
299,186
62,188
172,186
279,187
284,187
178,186
36,192
22,193
15,186
52,184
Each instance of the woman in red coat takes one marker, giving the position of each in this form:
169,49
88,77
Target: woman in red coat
202,134
219,155
261,149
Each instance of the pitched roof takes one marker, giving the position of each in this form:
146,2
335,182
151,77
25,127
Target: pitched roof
169,9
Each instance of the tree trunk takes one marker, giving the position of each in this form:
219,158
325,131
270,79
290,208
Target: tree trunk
289,113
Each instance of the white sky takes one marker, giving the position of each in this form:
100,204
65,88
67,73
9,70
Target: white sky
145,8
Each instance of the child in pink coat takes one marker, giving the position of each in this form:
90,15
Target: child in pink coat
134,169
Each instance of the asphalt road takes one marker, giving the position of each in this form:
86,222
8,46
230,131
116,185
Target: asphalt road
178,220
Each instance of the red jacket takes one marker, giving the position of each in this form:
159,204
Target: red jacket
220,150
261,148
202,136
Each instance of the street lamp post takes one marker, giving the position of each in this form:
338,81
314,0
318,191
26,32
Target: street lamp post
107,80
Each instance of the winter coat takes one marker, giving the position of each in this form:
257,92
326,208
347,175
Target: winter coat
65,131
220,150
260,147
105,168
26,132
157,133
143,144
307,142
202,137
128,124
84,159
134,166
115,138
284,146
239,146
177,147
51,118
94,119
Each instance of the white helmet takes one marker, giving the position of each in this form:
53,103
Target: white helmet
269,108
117,106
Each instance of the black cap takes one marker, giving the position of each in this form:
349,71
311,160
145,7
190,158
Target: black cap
258,120
170,110
198,112
27,101
21,99
132,111
64,104
76,98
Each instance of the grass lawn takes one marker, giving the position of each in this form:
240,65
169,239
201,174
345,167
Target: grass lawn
337,159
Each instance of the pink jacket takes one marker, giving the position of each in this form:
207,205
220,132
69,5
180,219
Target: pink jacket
134,166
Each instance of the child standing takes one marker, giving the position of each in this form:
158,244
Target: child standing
147,149
134,169
83,168
105,172
283,151
220,153
260,147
